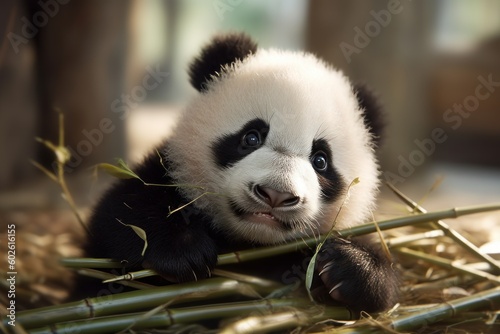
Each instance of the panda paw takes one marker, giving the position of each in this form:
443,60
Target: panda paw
357,275
178,261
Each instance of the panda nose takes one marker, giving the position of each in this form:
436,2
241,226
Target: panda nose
275,198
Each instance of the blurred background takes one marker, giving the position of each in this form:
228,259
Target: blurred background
117,70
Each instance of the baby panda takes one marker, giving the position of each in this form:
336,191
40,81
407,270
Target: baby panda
264,154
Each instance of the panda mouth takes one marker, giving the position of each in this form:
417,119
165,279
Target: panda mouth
264,218
260,217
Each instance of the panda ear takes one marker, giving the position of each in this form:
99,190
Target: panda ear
222,50
372,111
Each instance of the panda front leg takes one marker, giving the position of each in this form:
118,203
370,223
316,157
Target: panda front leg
357,274
180,253
179,245
179,249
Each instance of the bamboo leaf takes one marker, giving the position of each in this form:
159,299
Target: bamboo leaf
310,274
140,232
312,264
122,164
117,171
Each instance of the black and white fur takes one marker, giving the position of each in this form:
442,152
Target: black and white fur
274,138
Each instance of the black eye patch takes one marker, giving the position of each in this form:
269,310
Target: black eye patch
322,161
231,148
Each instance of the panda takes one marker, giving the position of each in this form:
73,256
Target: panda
264,154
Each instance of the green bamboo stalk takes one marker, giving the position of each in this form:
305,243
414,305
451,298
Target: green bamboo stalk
469,317
244,278
135,300
489,299
263,252
267,323
138,321
130,276
441,284
281,321
91,263
407,239
108,278
255,254
425,315
417,219
448,264
448,231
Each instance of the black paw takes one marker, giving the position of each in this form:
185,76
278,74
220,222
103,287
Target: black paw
182,260
357,275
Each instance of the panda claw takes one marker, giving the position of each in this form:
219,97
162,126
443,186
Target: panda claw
357,275
326,267
194,275
335,287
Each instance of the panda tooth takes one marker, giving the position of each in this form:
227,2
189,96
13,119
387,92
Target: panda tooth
265,214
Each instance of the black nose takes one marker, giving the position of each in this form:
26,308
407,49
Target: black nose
275,198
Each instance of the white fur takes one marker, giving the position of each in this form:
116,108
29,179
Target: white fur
302,99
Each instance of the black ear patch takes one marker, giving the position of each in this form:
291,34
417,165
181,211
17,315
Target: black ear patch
222,50
372,111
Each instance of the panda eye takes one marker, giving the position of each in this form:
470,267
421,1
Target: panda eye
319,161
252,139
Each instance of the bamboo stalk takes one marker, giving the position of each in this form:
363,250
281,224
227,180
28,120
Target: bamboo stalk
134,301
263,252
489,299
441,284
254,254
285,320
130,276
407,239
448,264
425,316
105,277
281,321
91,263
244,278
267,323
448,231
417,219
170,317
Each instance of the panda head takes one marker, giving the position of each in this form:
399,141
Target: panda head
275,138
